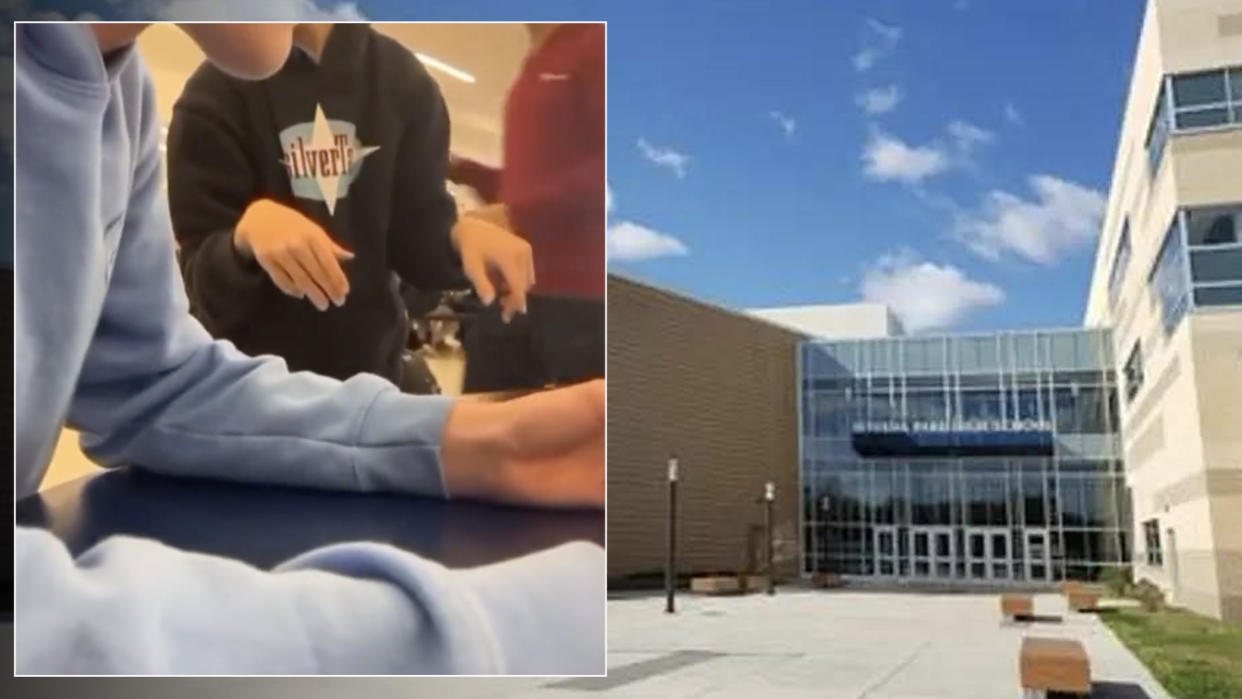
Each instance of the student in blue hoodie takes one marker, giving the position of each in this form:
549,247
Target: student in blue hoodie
104,342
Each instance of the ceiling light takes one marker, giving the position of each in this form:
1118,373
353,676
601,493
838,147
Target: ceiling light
442,66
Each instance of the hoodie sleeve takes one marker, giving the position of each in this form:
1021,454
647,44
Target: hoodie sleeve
210,184
156,391
132,606
420,247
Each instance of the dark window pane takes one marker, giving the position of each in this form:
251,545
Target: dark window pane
1028,404
1076,545
1158,131
1168,280
1033,500
1216,265
1213,226
981,405
1067,410
1104,546
1235,85
1202,117
1092,404
1218,296
1121,259
1133,372
1099,508
1199,88
926,406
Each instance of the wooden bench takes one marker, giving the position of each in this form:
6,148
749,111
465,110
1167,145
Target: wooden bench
753,582
1016,606
826,580
716,585
1082,596
1054,665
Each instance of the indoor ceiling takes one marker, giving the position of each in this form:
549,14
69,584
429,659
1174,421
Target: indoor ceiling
490,53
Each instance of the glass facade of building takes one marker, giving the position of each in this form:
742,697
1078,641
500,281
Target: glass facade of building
990,458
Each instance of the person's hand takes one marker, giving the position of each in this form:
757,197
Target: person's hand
544,449
298,255
493,256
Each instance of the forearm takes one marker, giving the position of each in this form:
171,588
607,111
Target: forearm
218,413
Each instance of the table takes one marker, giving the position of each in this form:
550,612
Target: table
266,525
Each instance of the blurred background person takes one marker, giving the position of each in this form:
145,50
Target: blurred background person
301,203
550,191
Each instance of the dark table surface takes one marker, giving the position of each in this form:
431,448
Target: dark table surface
265,525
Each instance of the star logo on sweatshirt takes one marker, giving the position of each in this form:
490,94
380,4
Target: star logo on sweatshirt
323,157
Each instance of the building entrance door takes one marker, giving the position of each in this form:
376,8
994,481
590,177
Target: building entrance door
1038,565
931,552
987,553
886,551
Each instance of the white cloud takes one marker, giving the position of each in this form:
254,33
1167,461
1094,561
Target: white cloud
966,135
1061,217
247,10
923,294
888,158
879,40
665,157
880,99
631,242
787,123
1012,115
608,198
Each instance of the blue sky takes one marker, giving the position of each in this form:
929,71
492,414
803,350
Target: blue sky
770,219
949,157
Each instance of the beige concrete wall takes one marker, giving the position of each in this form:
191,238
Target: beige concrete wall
1195,34
1180,434
1218,366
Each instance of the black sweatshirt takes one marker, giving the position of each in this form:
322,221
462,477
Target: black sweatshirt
385,149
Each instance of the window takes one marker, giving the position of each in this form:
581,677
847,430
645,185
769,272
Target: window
1218,296
1207,99
1200,100
1168,278
1120,259
1133,372
1214,225
1216,265
1151,534
1158,132
1215,245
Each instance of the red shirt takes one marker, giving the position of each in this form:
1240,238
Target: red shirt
553,181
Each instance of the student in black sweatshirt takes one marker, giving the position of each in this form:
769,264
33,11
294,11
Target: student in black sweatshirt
302,201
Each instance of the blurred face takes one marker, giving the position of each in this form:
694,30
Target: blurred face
247,51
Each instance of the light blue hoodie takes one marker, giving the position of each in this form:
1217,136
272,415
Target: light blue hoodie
105,342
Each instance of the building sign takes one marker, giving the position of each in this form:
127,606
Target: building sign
1027,425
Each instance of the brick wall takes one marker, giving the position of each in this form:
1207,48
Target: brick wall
718,389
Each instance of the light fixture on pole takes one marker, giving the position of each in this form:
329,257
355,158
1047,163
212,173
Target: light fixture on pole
769,499
670,563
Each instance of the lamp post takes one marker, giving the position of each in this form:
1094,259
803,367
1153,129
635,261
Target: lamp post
769,498
670,561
